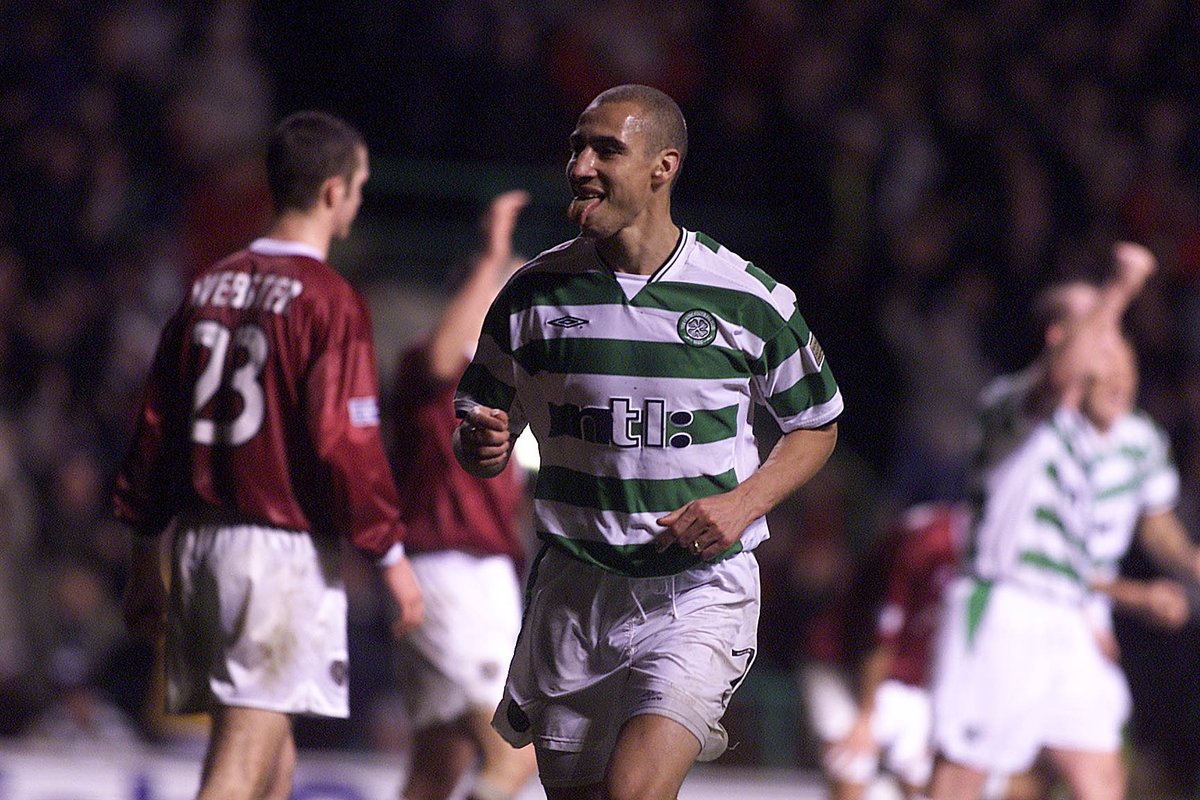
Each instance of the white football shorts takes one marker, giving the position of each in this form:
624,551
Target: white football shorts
901,725
597,649
257,619
829,701
458,658
1015,672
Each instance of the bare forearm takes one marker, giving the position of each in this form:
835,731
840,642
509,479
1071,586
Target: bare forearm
463,318
1165,539
1130,595
875,669
794,460
461,321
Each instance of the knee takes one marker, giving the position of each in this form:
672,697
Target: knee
509,767
624,785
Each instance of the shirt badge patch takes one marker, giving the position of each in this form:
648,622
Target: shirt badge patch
697,327
364,411
815,347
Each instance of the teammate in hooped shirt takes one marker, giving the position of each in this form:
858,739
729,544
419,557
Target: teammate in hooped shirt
258,444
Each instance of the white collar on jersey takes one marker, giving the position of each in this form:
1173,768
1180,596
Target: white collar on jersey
284,247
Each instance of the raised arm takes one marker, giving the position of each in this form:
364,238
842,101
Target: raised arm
1076,340
458,328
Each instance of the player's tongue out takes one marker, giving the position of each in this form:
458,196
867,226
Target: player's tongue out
582,206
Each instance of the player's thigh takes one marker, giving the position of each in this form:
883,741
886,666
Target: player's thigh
994,678
955,781
651,758
245,746
1091,775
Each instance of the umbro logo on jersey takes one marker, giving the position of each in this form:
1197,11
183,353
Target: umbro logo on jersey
567,322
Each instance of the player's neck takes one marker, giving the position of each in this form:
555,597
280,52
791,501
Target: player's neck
638,249
309,230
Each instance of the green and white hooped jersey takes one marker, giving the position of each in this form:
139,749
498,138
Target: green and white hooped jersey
641,390
1060,500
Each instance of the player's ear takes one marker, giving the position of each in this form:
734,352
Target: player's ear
333,190
666,166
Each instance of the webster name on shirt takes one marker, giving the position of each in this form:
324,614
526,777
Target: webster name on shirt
234,289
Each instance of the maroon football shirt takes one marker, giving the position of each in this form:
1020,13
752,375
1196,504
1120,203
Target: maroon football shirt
262,404
442,506
926,558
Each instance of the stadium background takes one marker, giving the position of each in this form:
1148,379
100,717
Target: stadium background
915,170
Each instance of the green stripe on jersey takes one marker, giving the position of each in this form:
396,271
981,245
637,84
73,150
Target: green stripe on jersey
634,560
495,326
1055,477
1044,561
762,277
738,307
632,358
707,241
630,496
1051,517
1132,485
480,385
808,392
782,346
544,288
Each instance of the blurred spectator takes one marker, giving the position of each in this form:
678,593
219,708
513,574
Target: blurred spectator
79,633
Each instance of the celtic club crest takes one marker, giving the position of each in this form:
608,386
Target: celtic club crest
697,327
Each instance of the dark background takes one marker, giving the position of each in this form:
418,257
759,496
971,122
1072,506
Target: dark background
916,171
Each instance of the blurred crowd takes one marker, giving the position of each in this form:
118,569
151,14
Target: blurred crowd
916,170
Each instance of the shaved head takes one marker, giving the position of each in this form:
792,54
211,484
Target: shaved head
665,128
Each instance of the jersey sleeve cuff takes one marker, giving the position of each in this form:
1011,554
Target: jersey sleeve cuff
394,554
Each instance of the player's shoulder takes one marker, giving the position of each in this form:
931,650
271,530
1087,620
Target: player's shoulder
1008,391
551,270
1139,427
710,262
572,256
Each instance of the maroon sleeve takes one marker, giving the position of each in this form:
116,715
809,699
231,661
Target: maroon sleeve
899,593
343,421
152,479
